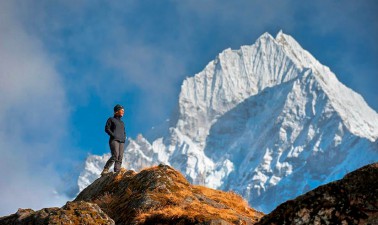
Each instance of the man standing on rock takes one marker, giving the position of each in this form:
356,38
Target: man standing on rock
115,128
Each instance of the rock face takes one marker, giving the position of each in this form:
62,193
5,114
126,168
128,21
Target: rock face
162,195
351,200
72,213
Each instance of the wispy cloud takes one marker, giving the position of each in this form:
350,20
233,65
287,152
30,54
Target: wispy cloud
33,117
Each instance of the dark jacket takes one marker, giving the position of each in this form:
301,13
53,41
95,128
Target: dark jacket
116,129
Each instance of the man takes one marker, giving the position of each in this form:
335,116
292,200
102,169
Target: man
115,128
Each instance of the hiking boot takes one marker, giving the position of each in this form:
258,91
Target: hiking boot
104,172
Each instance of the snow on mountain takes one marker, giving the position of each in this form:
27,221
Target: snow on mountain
287,141
267,121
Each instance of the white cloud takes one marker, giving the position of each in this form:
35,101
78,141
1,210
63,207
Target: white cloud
33,118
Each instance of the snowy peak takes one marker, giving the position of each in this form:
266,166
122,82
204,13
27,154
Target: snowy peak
228,80
236,75
358,117
307,114
276,139
301,57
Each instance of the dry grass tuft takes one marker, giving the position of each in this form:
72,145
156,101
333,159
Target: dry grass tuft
200,204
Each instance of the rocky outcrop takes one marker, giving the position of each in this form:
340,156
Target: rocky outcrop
162,195
72,213
156,195
351,200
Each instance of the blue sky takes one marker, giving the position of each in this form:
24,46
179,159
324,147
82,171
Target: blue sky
65,64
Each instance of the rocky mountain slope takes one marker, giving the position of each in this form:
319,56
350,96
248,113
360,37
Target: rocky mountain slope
351,200
156,195
161,195
259,121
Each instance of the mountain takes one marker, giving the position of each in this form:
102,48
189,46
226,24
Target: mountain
267,121
351,200
156,195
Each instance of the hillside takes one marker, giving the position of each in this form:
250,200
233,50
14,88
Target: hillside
156,195
162,195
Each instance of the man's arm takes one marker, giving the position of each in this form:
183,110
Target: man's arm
108,125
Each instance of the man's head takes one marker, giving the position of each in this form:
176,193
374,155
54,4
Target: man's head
119,110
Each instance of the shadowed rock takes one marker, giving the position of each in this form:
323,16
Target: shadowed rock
72,213
351,200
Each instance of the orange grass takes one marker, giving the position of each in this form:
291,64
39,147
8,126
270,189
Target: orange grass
171,199
176,206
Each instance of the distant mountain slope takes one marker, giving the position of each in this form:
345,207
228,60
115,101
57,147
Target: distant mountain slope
267,121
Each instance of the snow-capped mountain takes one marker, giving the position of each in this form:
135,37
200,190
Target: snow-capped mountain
267,121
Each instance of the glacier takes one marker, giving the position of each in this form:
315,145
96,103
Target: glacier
267,121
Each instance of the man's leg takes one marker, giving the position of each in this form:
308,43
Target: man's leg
113,149
118,162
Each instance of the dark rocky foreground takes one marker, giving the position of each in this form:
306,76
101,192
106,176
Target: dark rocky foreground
351,200
72,213
161,195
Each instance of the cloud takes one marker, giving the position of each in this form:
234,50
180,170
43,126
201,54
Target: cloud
33,118
115,51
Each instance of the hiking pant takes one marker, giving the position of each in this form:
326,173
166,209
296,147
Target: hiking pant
117,149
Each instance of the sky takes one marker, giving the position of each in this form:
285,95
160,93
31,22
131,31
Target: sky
65,64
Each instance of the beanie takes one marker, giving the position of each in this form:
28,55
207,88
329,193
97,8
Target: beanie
117,108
